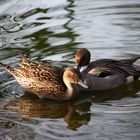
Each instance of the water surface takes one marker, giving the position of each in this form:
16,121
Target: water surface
51,31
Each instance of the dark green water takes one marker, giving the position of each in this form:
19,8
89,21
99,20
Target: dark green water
51,31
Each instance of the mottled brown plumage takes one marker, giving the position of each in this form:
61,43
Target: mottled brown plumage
45,80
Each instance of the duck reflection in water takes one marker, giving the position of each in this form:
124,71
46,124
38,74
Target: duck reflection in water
75,114
32,107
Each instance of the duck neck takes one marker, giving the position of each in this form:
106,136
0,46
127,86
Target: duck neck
72,90
83,68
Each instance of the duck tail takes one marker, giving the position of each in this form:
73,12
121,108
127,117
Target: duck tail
7,67
24,61
130,61
135,59
23,58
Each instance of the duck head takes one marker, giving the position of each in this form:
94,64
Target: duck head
73,76
82,58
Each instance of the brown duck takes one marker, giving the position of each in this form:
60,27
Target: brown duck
47,81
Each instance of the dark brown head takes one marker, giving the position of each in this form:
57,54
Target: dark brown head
82,58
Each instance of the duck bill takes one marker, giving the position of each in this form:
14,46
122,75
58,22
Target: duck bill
82,84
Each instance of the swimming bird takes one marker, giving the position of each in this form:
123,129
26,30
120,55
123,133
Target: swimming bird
47,81
106,73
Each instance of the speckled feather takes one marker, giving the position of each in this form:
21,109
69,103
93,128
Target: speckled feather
44,80
48,81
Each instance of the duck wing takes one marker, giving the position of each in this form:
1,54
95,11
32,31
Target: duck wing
46,74
124,69
105,67
107,70
104,62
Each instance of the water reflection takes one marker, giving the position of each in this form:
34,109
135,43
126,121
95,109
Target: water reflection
75,114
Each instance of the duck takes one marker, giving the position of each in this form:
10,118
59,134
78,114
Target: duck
105,74
46,80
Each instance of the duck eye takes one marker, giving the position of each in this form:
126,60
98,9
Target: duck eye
73,75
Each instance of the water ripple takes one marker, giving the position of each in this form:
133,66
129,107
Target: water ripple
52,31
